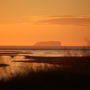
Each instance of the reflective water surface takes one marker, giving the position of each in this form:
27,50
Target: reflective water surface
10,69
21,68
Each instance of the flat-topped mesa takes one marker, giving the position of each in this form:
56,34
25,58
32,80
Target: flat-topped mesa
48,43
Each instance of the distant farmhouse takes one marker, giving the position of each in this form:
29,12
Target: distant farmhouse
48,43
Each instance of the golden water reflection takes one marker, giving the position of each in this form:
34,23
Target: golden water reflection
21,68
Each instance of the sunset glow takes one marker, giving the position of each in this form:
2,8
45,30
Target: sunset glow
25,22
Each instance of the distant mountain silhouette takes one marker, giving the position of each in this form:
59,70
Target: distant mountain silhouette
48,43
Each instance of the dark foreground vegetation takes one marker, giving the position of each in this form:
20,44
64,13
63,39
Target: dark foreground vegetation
76,77
49,80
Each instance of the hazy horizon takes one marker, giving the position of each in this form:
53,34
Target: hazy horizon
25,22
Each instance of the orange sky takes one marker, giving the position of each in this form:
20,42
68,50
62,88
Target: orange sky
25,22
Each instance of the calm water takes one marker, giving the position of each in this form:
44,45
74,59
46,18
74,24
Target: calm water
22,68
52,52
56,53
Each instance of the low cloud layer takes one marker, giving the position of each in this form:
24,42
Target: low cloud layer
68,20
59,20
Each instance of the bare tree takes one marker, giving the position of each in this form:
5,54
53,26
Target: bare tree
87,40
85,51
